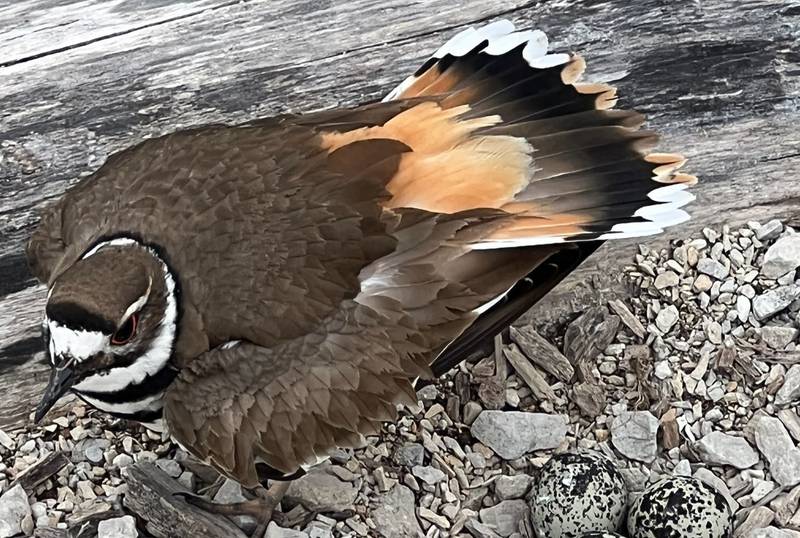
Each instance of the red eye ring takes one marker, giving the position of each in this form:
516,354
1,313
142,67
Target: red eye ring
126,333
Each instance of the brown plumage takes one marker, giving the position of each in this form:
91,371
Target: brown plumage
324,261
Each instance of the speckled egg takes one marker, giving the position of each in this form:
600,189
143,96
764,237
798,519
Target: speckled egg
577,493
601,535
680,507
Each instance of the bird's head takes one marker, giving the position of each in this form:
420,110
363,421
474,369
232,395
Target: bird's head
110,321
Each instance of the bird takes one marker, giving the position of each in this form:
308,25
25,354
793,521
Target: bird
270,291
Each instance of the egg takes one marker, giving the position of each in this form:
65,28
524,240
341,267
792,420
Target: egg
576,493
680,507
601,535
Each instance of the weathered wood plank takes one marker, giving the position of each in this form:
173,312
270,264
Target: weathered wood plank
151,495
720,83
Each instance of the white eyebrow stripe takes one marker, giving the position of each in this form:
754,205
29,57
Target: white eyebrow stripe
118,242
138,303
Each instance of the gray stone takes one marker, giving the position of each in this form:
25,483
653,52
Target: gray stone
122,460
512,487
471,411
666,318
770,230
321,489
504,517
778,337
231,492
667,279
274,531
14,508
90,450
714,332
719,448
663,370
777,446
783,256
409,455
118,527
633,433
789,393
712,268
512,434
770,303
171,467
773,532
429,475
479,530
394,514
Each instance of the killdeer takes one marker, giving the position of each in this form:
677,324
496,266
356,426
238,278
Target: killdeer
268,291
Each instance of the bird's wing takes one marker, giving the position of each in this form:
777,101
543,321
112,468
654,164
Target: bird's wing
290,405
491,167
46,245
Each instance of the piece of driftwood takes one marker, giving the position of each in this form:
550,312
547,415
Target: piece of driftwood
627,318
40,471
151,497
529,373
589,335
81,81
590,397
542,353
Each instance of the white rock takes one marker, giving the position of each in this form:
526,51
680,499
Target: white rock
713,268
789,393
667,279
429,475
14,508
663,370
118,527
320,488
512,434
394,515
714,332
504,517
742,308
274,531
667,318
773,532
778,337
633,433
770,230
778,448
719,448
6,440
512,487
783,256
774,301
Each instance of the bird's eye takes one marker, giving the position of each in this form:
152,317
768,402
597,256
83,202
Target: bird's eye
125,333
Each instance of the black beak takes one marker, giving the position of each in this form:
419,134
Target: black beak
61,380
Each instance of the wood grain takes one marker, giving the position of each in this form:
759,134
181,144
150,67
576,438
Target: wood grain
85,78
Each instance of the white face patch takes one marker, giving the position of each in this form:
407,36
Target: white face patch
72,343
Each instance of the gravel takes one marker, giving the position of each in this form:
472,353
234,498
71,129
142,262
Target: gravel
696,373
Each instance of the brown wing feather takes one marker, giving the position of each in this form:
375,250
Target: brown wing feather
288,405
